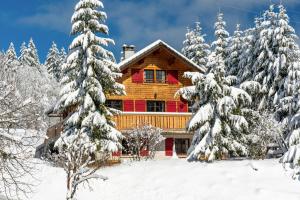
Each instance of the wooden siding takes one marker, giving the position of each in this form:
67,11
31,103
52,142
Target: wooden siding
165,121
159,60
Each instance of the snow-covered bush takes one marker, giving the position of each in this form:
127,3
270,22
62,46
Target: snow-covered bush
89,76
143,142
265,131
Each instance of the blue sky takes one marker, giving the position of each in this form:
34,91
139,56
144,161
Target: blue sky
137,22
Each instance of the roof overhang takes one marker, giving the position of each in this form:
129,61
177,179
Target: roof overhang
152,48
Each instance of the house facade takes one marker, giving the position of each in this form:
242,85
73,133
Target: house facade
151,78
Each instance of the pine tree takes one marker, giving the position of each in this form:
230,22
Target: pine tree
219,124
287,54
199,49
234,51
264,67
23,54
248,55
187,43
221,43
89,75
53,62
11,53
34,60
288,109
62,55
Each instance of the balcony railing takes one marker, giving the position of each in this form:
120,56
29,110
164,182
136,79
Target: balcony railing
164,120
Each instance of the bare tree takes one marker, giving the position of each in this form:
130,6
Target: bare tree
144,138
78,160
17,142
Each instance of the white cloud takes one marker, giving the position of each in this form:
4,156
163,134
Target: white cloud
141,22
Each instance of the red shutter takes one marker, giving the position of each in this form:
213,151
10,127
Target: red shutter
172,77
128,105
182,106
169,146
116,154
140,106
144,152
171,106
137,75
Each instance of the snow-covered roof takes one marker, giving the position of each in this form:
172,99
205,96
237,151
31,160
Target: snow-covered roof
150,48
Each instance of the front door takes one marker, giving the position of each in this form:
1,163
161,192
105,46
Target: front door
182,146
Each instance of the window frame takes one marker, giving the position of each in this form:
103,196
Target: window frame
111,103
146,80
156,106
162,80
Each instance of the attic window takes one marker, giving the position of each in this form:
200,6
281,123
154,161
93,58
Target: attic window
149,76
160,76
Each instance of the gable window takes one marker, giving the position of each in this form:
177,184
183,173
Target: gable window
155,106
149,76
116,104
160,76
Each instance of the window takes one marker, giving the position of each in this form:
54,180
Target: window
160,76
182,145
116,104
149,76
155,106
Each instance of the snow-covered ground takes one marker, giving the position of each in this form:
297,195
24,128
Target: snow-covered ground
179,180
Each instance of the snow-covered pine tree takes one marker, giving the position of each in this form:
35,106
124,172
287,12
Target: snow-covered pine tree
219,124
221,43
248,55
11,62
287,57
90,74
199,49
11,53
34,60
234,51
264,67
53,62
62,55
187,43
23,54
292,106
288,109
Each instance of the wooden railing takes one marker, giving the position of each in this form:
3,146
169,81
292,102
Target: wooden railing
129,120
165,121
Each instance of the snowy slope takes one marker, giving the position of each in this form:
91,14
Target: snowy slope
180,180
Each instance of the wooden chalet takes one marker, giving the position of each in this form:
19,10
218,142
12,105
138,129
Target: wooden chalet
151,77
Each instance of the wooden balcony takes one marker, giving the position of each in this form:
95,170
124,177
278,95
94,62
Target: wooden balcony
164,120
